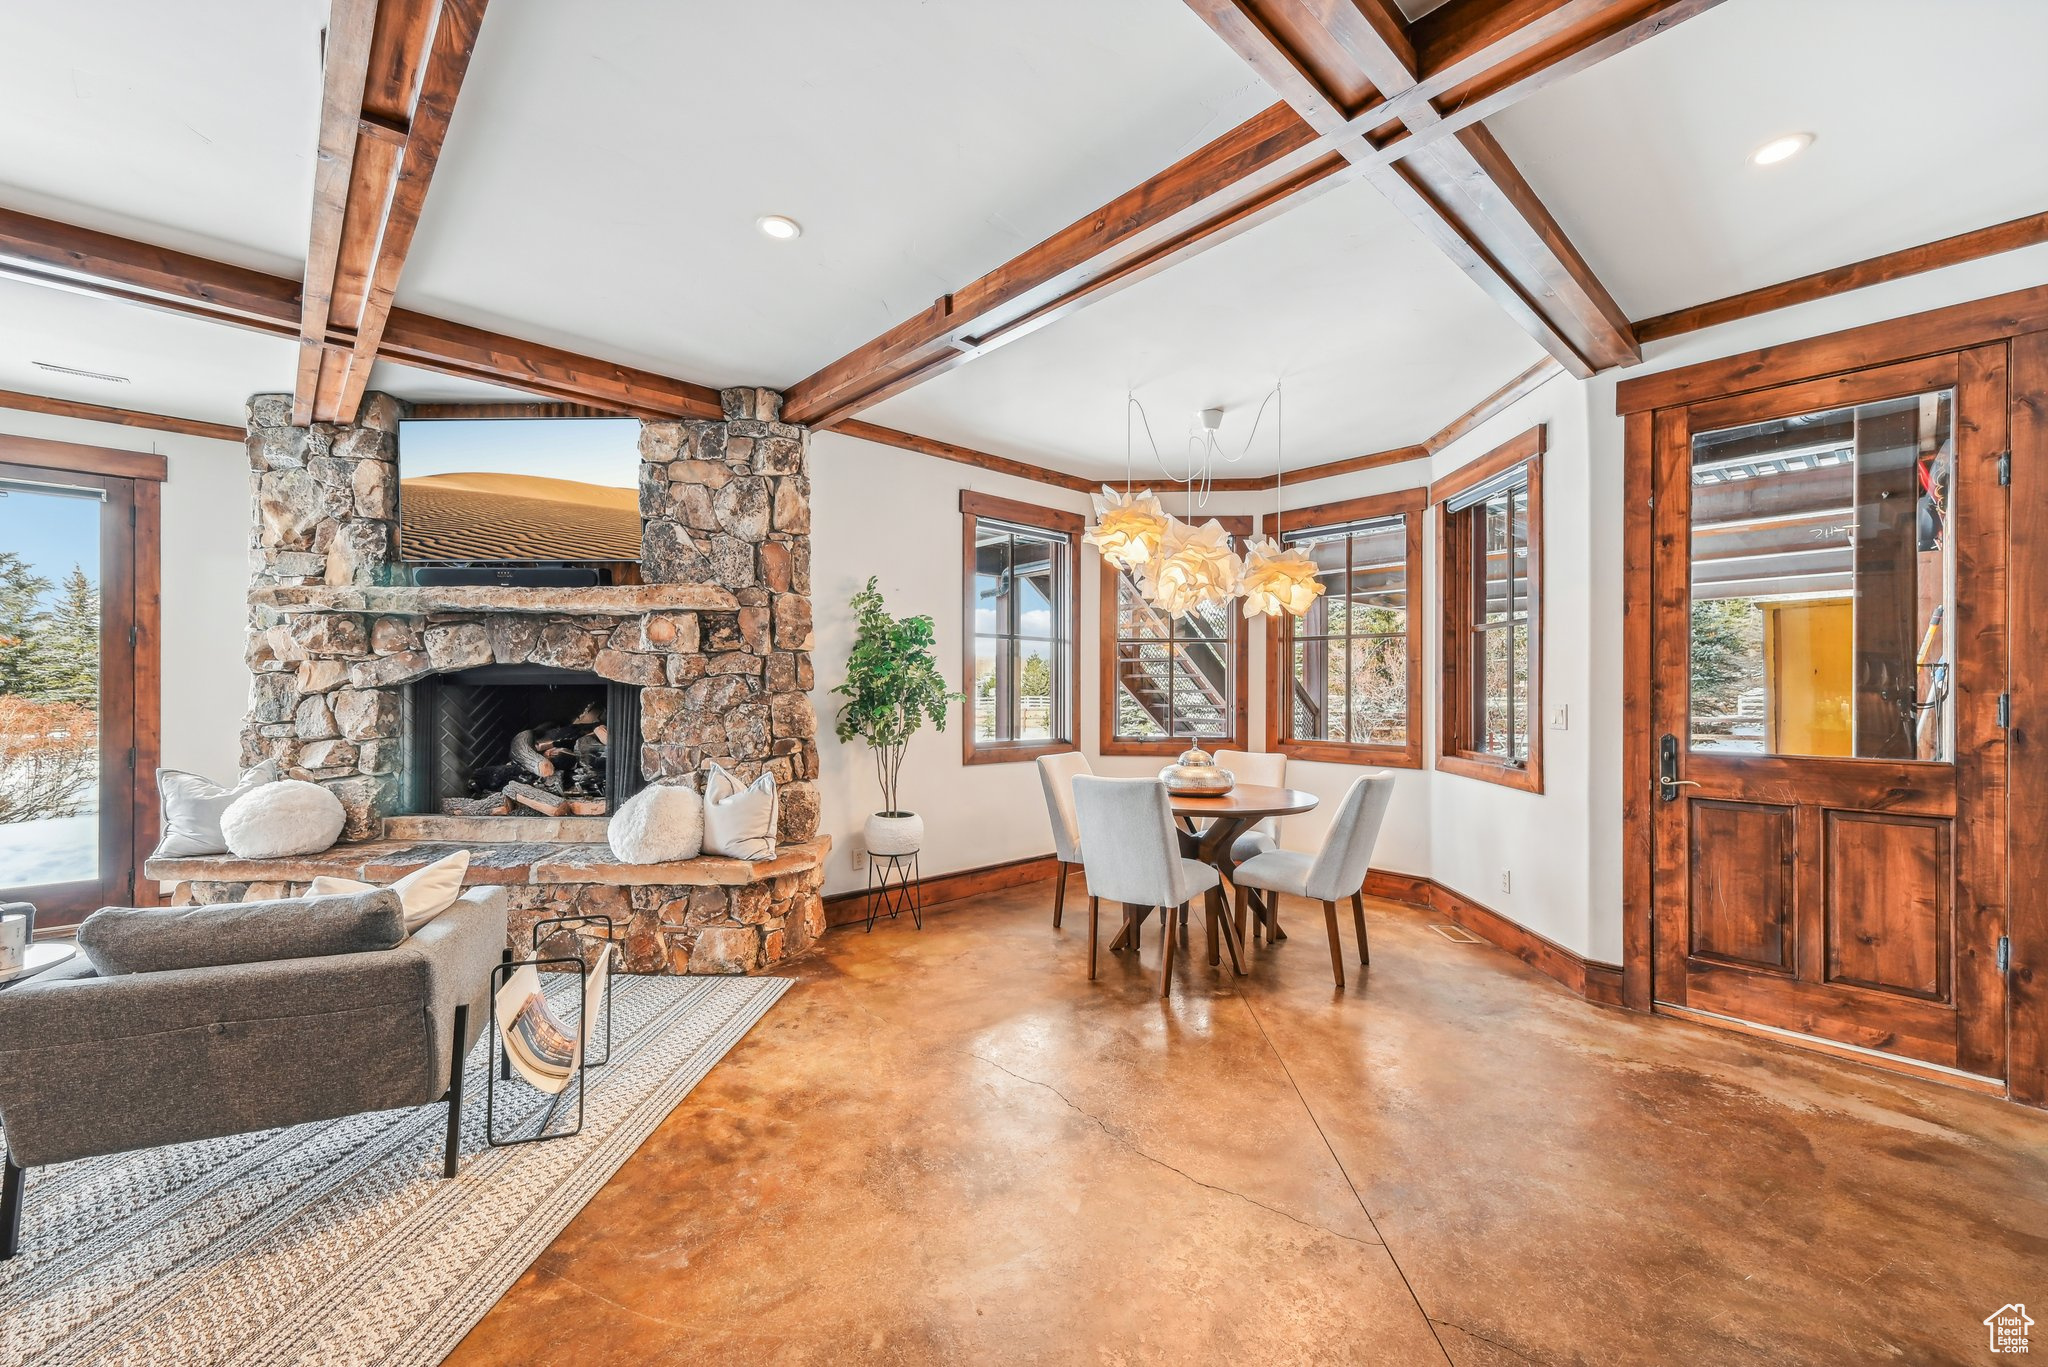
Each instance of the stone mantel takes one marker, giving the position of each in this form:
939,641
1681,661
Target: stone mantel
386,861
708,915
623,600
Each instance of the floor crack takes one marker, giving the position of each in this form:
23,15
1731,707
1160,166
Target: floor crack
1126,1143
1519,1355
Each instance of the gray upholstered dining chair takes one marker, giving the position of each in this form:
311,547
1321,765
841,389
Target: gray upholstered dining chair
1056,773
1337,870
1132,855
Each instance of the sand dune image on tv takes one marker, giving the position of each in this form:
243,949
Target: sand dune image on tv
478,515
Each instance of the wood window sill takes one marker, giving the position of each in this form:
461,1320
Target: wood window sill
1363,756
1527,778
1015,754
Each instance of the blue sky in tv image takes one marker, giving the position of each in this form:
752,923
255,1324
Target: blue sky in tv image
602,451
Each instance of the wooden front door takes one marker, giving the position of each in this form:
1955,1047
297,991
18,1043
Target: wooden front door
1829,651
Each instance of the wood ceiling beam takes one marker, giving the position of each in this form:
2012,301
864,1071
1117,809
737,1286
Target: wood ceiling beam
100,263
1475,58
1456,184
1932,256
40,251
122,417
394,69
1258,169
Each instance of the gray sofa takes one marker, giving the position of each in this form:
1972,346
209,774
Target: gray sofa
93,1065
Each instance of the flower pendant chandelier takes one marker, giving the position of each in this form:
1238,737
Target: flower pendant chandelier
1180,567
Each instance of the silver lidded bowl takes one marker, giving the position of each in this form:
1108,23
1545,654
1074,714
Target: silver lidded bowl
1196,773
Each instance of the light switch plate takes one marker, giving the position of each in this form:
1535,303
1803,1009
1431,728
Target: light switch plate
1560,718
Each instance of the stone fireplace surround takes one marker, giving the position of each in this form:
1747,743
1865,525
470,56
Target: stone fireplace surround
718,638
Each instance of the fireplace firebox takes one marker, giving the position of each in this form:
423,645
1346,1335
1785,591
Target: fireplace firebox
565,734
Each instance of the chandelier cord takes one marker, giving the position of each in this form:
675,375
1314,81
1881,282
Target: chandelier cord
1279,455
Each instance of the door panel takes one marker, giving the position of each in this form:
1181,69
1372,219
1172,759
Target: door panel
1828,640
1742,884
1889,900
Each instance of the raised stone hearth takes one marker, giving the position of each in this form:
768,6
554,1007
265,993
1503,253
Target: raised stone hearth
694,916
717,639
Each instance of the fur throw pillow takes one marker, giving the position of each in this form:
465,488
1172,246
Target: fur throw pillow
661,822
283,818
739,818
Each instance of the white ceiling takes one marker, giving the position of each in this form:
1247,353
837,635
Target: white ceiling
1379,339
174,364
1929,120
187,126
608,160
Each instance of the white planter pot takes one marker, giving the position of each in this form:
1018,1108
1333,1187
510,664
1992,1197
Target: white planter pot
895,833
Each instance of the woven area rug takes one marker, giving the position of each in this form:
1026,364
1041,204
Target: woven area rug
338,1243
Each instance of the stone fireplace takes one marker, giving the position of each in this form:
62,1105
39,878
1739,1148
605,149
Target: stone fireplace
353,670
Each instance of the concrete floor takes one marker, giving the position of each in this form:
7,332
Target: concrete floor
949,1146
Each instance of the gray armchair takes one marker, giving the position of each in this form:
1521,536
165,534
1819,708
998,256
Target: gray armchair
94,1065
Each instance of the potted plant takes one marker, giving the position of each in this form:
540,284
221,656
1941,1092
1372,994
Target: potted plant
893,687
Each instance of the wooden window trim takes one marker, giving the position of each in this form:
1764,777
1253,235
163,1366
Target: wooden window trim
84,460
974,507
1406,503
1240,669
135,479
1454,700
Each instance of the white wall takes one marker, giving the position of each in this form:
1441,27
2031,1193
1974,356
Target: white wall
205,582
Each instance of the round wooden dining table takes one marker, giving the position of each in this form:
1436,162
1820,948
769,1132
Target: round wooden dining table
1229,816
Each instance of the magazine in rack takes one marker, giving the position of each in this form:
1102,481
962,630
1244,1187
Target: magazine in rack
546,1052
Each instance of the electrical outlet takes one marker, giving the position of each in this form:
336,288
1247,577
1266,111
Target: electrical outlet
1560,718
1507,881
856,852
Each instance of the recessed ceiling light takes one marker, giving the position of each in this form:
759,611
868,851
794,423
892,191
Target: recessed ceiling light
76,373
778,227
1781,149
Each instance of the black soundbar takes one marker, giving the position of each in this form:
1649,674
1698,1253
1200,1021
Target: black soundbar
504,576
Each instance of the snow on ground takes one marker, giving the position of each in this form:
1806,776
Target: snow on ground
61,849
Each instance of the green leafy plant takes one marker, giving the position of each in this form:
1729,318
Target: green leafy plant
893,687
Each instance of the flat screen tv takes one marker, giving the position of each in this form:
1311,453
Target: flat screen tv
534,491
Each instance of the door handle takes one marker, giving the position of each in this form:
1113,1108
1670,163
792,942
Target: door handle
1667,770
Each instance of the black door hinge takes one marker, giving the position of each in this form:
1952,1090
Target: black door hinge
134,637
2004,953
131,515
131,758
2005,469
2005,711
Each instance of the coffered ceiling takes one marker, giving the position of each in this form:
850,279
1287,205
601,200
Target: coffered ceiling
606,162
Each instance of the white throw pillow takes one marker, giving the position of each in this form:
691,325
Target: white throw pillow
424,893
739,819
288,817
192,808
661,822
